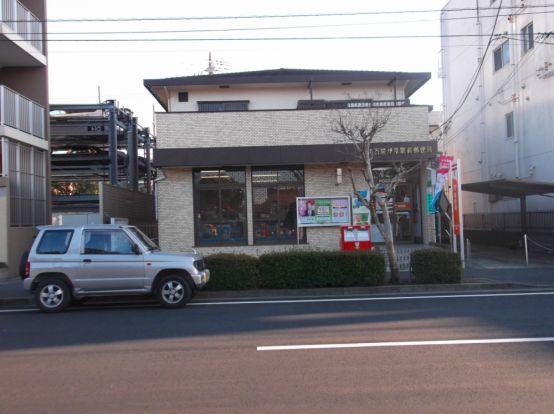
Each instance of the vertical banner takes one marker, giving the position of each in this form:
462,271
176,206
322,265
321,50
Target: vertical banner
442,175
455,199
430,180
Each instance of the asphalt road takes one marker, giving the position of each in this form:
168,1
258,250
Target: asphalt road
372,355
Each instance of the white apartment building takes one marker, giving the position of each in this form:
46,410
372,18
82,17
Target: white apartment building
24,195
237,149
498,85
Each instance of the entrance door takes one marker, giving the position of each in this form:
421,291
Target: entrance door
403,213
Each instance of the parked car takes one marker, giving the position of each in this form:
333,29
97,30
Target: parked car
84,154
76,262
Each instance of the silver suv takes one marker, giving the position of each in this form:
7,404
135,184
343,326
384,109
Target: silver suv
75,262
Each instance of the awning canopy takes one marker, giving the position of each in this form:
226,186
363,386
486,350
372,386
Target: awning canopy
513,188
381,152
510,187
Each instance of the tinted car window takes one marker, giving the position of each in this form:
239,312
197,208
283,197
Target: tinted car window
107,242
55,242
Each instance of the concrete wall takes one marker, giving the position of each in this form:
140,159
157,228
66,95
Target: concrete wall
263,97
120,202
223,129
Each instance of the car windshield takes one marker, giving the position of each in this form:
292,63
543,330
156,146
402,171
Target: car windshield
145,240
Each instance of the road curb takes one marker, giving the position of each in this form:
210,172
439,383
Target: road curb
322,292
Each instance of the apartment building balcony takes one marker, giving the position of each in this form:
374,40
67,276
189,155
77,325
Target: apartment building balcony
22,119
21,36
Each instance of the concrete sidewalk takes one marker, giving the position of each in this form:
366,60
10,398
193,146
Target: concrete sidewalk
490,268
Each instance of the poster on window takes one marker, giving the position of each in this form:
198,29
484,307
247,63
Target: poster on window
322,211
360,213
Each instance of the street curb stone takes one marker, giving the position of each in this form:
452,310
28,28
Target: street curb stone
322,292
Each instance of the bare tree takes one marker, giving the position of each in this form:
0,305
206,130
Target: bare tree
361,131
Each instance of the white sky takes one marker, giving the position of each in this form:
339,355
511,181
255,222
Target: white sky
77,69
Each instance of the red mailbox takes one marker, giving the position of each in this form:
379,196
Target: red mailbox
355,237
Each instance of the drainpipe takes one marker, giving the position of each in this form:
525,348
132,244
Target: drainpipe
311,91
515,98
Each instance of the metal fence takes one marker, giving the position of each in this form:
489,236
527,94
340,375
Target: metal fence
27,174
18,18
537,221
21,113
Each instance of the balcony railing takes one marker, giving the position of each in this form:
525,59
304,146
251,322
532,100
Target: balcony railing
352,103
21,113
18,18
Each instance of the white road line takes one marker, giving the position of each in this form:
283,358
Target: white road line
406,343
258,302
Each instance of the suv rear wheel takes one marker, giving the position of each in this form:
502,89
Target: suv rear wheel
52,295
173,291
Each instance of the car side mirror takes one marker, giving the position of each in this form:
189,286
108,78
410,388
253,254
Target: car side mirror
136,249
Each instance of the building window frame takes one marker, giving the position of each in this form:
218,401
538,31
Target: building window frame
509,121
527,34
274,221
183,96
501,56
223,106
220,213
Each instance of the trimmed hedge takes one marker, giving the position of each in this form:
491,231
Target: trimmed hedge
315,269
232,272
436,266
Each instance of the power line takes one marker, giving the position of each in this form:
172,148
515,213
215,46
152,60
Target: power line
295,15
240,39
476,74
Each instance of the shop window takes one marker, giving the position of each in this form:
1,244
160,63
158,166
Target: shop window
220,206
274,192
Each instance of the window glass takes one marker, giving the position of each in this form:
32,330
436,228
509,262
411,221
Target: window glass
107,242
274,192
510,125
220,206
502,56
54,242
143,238
528,38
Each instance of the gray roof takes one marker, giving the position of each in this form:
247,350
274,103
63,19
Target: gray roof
415,79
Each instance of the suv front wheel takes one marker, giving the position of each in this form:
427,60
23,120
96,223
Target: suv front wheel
52,295
173,291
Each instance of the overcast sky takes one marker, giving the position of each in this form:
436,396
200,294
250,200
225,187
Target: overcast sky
83,55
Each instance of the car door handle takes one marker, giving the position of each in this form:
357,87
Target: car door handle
87,260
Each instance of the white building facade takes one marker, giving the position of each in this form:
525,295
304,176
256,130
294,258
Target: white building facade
237,149
498,85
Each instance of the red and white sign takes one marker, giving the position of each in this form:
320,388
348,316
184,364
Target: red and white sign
455,199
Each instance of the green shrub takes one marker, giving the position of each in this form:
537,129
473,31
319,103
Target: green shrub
232,271
315,269
436,266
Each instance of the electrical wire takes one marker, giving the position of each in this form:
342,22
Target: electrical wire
280,16
475,75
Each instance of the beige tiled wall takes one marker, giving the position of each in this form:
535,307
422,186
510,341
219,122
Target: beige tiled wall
250,128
